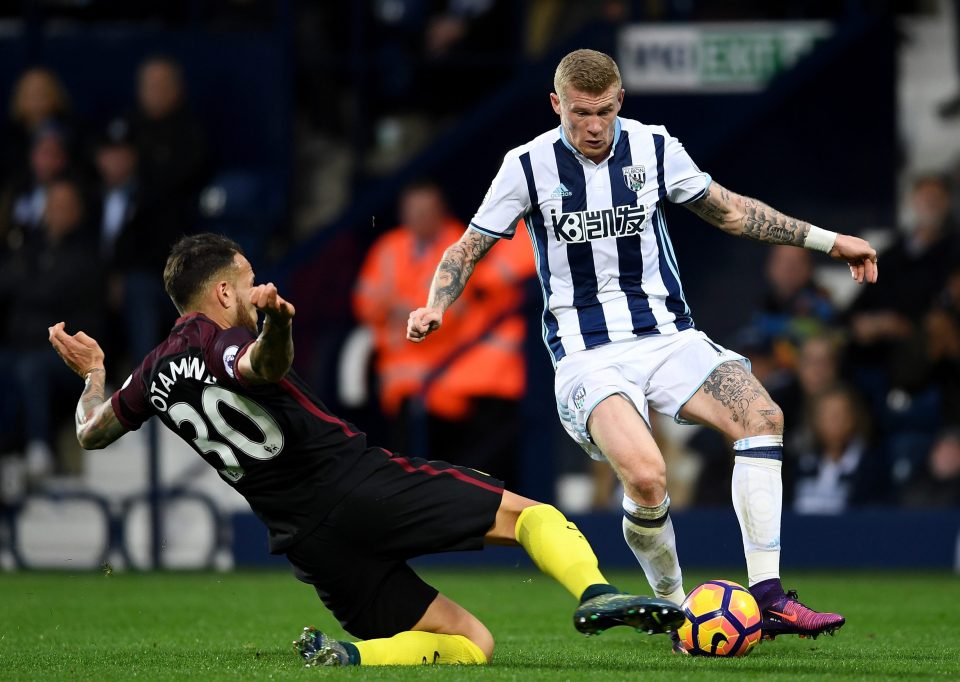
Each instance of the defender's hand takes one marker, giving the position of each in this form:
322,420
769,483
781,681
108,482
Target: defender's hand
81,353
423,322
859,255
265,298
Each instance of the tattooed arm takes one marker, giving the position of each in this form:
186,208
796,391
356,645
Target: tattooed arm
97,424
742,216
451,277
745,217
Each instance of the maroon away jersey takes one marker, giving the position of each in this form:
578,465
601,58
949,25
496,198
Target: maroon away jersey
275,443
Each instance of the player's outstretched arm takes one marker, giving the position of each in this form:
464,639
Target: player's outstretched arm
745,217
97,424
451,277
271,355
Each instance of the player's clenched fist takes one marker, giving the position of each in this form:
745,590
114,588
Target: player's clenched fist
80,352
422,322
265,297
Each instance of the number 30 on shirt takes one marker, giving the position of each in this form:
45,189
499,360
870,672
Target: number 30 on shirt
268,447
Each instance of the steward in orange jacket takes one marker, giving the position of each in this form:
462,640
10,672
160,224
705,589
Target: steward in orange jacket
486,321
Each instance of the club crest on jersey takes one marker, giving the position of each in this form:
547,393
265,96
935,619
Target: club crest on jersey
634,177
606,223
229,357
578,396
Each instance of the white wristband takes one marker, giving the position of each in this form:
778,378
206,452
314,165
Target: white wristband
819,239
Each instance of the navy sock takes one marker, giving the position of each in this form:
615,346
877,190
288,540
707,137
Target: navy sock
597,590
352,651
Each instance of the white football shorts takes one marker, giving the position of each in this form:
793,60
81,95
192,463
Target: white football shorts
661,371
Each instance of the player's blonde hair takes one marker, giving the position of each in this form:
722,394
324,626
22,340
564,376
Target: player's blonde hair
587,71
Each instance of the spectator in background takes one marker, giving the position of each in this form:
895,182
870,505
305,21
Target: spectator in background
885,317
136,230
937,484
840,470
38,99
170,141
888,352
152,171
471,380
942,326
116,161
57,277
794,307
23,202
817,368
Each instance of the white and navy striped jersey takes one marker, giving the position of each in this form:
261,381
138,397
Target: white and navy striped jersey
604,257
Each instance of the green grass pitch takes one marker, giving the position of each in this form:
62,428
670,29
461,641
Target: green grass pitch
205,626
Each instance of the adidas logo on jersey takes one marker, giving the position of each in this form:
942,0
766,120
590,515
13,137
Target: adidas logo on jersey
561,191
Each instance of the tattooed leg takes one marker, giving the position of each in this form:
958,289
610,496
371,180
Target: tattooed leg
733,401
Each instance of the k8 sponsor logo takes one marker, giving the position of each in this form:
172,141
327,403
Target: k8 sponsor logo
607,223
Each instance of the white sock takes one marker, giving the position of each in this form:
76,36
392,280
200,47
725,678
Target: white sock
649,533
758,499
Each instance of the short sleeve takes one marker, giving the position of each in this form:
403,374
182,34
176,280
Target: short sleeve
130,403
228,345
505,203
684,181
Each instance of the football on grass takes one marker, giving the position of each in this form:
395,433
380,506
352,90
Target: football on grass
722,619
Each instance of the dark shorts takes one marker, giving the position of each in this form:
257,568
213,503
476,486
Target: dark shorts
356,559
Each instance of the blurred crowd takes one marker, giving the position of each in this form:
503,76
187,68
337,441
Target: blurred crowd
87,212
